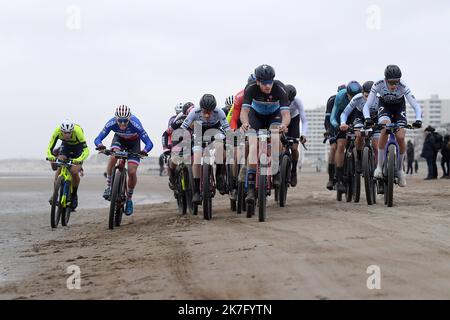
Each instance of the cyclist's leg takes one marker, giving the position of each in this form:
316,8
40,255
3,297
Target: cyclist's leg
400,117
273,122
384,117
332,162
256,123
358,124
196,172
341,143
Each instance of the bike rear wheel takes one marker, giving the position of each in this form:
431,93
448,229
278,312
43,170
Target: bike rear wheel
391,162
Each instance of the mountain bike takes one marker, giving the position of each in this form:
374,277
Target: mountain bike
62,194
368,166
184,188
119,185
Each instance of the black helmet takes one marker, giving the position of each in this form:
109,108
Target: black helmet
186,107
251,78
367,86
392,72
291,92
264,72
341,87
208,102
353,88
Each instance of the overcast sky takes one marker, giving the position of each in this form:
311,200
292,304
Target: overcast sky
152,54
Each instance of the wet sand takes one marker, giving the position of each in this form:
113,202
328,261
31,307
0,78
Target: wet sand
315,248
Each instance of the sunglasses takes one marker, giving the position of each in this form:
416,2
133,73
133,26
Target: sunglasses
122,121
267,82
393,82
67,132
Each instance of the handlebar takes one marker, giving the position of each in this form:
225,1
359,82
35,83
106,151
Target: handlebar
120,154
59,163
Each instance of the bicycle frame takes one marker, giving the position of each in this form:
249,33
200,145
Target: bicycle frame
65,173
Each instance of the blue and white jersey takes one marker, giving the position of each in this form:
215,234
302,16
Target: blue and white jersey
380,89
296,108
358,102
217,116
133,131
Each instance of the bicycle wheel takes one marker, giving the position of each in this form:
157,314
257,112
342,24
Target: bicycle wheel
284,183
348,177
188,180
356,180
65,214
262,198
206,192
123,198
54,211
368,174
391,159
115,198
240,197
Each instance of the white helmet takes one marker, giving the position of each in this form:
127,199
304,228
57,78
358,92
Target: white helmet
67,125
179,107
229,101
123,112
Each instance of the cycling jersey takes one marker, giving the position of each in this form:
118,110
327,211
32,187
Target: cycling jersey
358,103
297,109
133,131
216,117
76,139
340,103
172,119
266,104
330,104
167,135
386,96
236,111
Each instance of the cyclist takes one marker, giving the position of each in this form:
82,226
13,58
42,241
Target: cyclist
128,133
357,104
265,106
209,116
331,133
171,146
73,147
178,110
392,91
297,111
342,100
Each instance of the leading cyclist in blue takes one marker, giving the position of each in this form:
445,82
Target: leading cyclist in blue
128,134
392,92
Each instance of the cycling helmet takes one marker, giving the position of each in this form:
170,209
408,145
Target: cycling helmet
229,101
186,107
392,72
208,102
123,112
251,78
179,107
341,87
353,88
291,92
367,86
264,72
67,125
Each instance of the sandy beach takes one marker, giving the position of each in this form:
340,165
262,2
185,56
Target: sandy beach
315,248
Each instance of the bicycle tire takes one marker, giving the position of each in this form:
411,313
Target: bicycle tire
207,214
391,174
122,198
240,197
366,166
262,198
284,180
54,214
356,182
114,198
65,214
348,177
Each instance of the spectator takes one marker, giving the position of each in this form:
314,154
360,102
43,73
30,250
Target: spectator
429,153
410,157
445,160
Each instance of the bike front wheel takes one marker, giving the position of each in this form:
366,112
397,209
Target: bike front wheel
262,198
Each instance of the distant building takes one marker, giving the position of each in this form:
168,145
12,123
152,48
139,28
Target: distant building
317,150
